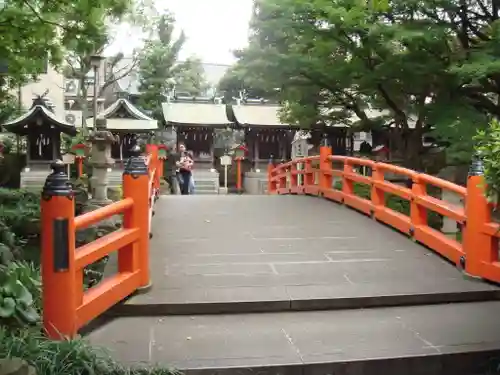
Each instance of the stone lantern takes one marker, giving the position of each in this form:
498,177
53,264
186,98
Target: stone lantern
300,149
101,162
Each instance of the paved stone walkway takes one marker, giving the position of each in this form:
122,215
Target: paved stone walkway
450,339
222,255
233,253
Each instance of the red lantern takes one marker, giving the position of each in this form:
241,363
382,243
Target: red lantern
239,155
240,152
79,151
162,152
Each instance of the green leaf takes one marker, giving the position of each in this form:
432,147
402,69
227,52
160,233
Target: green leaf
22,294
27,314
7,307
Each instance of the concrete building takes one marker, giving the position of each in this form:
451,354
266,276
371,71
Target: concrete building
52,81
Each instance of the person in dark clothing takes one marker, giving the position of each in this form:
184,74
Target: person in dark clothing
365,148
170,166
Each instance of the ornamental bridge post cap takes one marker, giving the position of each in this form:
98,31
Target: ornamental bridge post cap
477,166
136,164
324,140
57,183
101,123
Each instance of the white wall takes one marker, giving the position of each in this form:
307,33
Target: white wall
54,82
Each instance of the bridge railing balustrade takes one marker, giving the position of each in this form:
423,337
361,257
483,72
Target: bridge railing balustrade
67,307
477,253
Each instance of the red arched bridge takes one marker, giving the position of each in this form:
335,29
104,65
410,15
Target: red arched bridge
285,283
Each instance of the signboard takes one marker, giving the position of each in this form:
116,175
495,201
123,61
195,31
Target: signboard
68,158
299,148
225,160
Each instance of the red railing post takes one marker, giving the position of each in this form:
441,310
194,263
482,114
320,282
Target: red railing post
293,176
283,176
136,186
377,194
59,284
308,174
418,214
325,165
478,246
271,183
347,184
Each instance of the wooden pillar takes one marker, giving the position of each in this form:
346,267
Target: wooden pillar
256,156
53,144
212,148
282,146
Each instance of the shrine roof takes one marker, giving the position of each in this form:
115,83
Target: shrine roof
195,114
123,115
113,111
258,115
38,115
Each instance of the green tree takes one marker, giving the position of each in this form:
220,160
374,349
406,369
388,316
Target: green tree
191,77
34,33
79,51
234,85
402,65
159,66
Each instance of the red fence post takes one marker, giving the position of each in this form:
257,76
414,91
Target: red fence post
155,167
347,184
478,246
308,173
377,195
293,177
325,180
418,214
136,186
271,184
59,284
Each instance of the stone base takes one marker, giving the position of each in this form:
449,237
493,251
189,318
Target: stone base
223,190
255,183
99,203
206,182
34,179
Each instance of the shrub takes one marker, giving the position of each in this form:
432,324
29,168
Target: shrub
488,148
69,357
18,283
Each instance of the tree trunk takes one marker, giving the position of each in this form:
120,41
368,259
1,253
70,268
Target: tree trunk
409,146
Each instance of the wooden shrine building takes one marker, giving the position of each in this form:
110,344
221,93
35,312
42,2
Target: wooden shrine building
42,130
266,136
128,124
194,122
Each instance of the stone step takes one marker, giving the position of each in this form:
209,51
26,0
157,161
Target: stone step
451,339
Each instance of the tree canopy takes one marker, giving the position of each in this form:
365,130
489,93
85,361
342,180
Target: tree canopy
160,70
407,64
35,34
159,66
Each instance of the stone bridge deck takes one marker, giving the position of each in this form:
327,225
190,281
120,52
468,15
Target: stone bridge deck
286,256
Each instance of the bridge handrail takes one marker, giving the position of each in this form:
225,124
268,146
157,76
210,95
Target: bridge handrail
67,307
477,254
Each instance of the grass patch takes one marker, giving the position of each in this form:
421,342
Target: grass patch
70,357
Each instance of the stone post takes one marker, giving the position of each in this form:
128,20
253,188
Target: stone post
101,161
